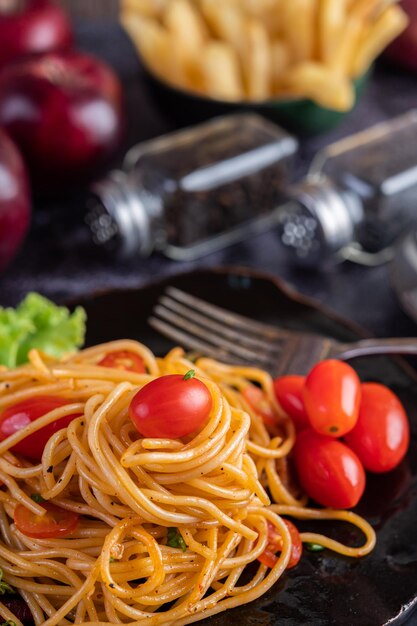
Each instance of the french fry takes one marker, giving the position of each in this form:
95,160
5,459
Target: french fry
385,29
280,60
332,21
370,9
221,71
188,35
155,46
300,17
147,8
342,59
256,49
317,82
186,24
257,67
226,20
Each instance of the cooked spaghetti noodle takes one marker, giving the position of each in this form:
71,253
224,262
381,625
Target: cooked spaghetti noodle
220,488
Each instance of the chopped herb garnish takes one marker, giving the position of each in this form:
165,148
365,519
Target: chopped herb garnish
314,547
36,497
175,539
9,622
112,559
189,374
5,587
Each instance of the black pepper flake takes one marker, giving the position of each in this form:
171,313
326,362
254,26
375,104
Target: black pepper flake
7,385
50,469
82,423
112,585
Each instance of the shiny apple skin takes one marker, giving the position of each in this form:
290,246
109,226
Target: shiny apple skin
404,49
65,113
15,205
29,27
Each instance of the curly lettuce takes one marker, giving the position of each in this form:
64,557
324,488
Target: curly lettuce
39,323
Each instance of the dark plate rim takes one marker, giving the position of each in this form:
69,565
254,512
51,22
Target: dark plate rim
239,270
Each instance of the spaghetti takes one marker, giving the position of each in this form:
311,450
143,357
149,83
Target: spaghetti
221,488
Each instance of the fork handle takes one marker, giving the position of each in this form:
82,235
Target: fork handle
369,347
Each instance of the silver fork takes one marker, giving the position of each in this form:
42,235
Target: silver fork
216,332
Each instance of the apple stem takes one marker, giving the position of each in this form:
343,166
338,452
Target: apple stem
11,7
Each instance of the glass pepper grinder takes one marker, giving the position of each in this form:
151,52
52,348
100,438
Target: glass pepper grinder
194,191
359,196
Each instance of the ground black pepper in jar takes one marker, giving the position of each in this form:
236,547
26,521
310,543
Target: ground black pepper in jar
196,190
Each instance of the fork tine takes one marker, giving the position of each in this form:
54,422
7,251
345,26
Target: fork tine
220,328
182,338
265,331
228,348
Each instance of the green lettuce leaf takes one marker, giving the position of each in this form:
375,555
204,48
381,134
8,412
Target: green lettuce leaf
39,323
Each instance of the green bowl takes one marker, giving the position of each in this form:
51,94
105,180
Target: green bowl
300,116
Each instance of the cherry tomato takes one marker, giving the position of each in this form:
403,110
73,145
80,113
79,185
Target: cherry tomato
382,434
258,401
332,394
124,360
16,417
328,470
56,522
269,556
171,406
289,393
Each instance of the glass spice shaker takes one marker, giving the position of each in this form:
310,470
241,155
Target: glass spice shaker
194,191
359,196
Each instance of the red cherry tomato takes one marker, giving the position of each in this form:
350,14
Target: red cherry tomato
124,360
382,434
332,394
16,417
171,406
289,393
269,556
328,470
258,401
56,522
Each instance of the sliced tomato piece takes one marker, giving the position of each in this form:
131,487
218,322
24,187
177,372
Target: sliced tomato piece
269,557
56,522
19,415
124,360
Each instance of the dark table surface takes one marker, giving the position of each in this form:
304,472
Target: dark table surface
363,295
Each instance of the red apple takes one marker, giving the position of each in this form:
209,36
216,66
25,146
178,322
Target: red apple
404,49
65,113
30,27
14,200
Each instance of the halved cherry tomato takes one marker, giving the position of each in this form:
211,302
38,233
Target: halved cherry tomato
257,399
269,556
328,470
171,406
56,522
289,393
382,434
332,394
124,360
19,415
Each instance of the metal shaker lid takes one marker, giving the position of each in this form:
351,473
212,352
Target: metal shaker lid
319,221
117,217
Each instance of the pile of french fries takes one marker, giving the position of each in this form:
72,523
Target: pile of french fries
258,50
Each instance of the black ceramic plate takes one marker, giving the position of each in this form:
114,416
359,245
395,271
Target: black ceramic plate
324,589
